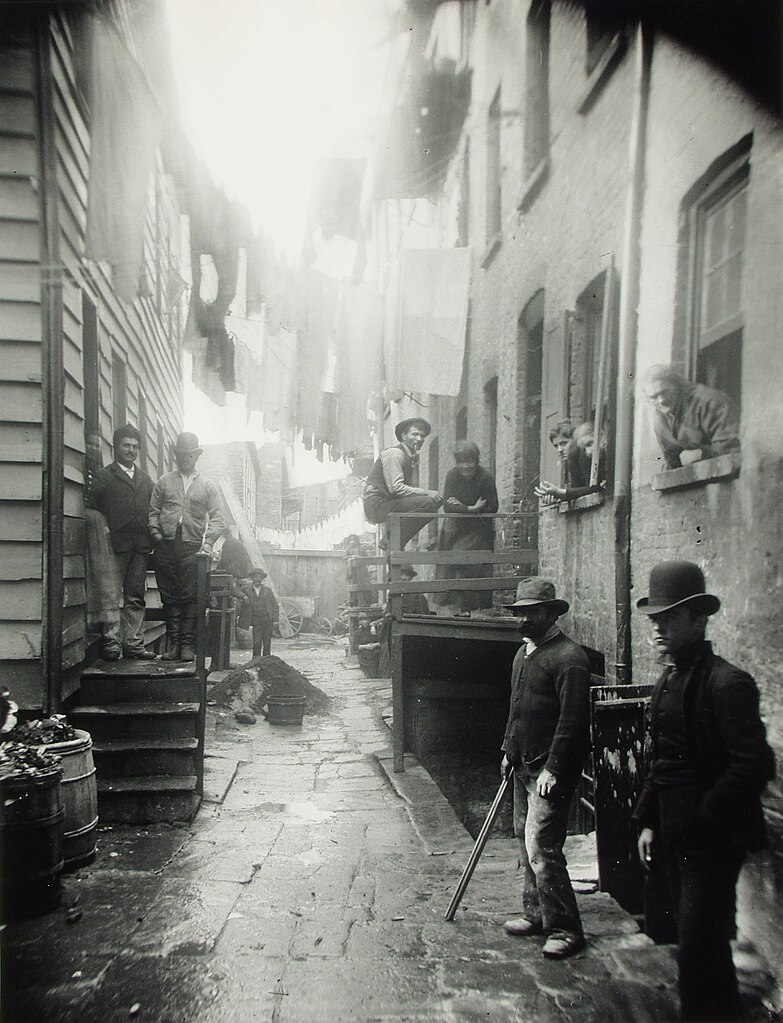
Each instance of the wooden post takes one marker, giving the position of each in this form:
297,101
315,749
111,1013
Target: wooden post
398,700
202,584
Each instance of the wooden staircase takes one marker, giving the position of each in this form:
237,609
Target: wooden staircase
146,723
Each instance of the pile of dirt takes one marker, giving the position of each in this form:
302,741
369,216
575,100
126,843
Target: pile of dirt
252,685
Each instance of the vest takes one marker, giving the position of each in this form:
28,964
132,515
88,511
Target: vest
376,481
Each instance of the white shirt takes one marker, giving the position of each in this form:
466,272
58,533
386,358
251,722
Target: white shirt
128,470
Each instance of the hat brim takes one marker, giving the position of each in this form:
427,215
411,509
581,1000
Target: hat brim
708,601
561,606
401,427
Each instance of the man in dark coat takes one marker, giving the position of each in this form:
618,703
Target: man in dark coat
393,482
547,739
700,809
121,491
691,421
259,611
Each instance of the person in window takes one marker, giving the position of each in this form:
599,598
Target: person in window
700,810
259,612
469,489
578,462
392,484
691,421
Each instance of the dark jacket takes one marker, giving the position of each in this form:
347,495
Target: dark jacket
125,505
549,717
705,418
257,607
728,744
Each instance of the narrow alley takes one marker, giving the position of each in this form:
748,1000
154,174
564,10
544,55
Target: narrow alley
311,886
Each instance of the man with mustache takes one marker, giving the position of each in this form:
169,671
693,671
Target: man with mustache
393,482
547,739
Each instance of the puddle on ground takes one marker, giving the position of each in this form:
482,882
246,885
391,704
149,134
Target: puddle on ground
304,811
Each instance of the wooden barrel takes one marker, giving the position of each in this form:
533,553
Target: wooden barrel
285,710
31,843
80,797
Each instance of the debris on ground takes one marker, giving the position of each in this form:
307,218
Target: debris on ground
249,687
245,716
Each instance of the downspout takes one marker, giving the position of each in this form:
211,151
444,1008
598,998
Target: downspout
626,359
52,376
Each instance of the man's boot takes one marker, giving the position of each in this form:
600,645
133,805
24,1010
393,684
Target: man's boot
173,637
188,633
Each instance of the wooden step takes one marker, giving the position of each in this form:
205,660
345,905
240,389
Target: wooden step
100,689
147,799
145,755
136,720
140,669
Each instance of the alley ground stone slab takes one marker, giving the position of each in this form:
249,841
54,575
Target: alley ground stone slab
314,892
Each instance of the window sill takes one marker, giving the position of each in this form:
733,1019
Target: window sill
534,184
709,470
602,72
582,503
491,250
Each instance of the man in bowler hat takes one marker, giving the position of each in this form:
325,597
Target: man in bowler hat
185,519
700,810
547,739
393,482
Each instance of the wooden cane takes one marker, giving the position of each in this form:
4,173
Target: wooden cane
478,848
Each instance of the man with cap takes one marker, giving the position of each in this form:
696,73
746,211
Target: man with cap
700,809
185,519
259,611
392,483
547,739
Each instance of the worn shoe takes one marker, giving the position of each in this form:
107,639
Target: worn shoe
561,944
521,927
139,655
112,654
188,653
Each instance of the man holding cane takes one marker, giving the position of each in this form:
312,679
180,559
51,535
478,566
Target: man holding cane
547,739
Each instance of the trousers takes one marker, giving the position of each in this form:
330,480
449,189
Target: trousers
176,569
541,825
378,508
127,628
262,637
702,868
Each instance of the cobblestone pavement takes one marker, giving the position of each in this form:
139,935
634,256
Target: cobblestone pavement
313,889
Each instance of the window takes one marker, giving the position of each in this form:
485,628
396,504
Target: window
90,356
119,391
536,145
494,205
143,431
491,412
530,350
717,301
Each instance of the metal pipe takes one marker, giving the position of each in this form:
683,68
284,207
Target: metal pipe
626,359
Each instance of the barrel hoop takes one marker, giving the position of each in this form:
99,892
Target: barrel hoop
35,824
78,777
82,831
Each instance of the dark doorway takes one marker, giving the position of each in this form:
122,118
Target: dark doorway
530,348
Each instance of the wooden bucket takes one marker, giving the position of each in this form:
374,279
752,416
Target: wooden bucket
80,798
31,843
285,710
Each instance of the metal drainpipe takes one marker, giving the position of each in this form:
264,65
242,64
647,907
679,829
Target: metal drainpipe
626,361
52,376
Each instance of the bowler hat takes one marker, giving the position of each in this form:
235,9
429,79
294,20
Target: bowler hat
187,444
406,424
533,591
258,571
673,583
408,571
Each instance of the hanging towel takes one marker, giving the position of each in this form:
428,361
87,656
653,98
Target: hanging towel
426,312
